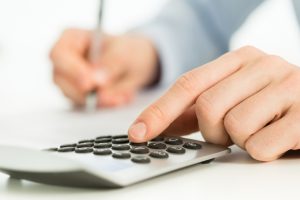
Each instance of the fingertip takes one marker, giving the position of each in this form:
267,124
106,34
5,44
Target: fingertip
137,132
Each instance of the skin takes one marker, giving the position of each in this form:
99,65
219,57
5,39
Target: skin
245,97
127,63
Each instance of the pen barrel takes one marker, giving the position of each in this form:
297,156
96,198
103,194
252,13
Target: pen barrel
95,48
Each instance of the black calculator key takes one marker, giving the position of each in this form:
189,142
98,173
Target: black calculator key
173,141
104,136
102,145
121,155
51,149
155,145
158,139
87,144
66,149
121,147
102,152
84,150
119,136
138,144
159,154
120,141
86,141
103,140
68,145
140,159
192,145
139,150
176,150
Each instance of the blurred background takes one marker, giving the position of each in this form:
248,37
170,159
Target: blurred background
29,28
31,106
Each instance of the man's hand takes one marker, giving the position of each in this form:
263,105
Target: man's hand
246,97
126,64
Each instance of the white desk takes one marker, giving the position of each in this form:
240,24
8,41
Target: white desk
232,177
33,113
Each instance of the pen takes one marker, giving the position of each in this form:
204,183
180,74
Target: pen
95,48
93,56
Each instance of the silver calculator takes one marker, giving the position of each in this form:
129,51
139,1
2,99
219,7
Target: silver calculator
106,161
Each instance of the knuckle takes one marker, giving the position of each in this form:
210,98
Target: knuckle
247,49
274,66
157,112
232,125
205,109
273,61
291,80
187,83
246,53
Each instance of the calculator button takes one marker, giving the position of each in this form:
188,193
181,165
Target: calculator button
138,144
173,141
157,145
104,136
119,136
84,150
102,152
68,145
51,149
158,139
176,150
120,147
139,150
66,149
86,141
140,159
87,144
102,145
192,145
120,141
159,154
121,155
103,140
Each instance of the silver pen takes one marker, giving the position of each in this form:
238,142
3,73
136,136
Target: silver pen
93,56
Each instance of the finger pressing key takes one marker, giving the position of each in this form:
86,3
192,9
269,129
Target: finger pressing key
158,116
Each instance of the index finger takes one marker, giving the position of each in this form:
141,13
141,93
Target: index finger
158,116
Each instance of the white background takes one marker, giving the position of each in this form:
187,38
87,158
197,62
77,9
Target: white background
30,103
29,28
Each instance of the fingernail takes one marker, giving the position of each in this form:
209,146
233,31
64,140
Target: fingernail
100,76
138,130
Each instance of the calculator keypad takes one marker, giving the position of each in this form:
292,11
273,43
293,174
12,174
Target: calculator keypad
102,152
119,147
84,149
159,145
121,155
140,159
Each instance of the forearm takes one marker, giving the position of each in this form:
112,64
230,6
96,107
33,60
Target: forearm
190,33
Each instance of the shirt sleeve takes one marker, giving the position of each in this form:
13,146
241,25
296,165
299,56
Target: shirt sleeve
189,33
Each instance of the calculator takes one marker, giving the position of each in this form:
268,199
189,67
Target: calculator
106,161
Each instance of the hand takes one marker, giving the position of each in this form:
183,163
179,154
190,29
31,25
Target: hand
126,64
246,97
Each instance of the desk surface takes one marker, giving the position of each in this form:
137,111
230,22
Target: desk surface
235,176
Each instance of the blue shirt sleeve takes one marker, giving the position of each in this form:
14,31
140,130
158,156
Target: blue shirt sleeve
189,33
